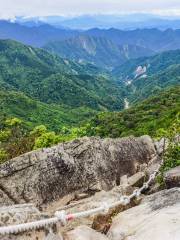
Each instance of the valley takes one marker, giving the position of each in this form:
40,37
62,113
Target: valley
72,98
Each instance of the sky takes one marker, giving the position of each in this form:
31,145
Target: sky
12,8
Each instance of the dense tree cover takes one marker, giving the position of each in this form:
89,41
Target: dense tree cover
51,79
145,118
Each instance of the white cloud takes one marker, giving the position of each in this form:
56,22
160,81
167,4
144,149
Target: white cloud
11,8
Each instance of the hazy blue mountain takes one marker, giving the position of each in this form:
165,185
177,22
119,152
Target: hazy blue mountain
35,35
153,39
99,51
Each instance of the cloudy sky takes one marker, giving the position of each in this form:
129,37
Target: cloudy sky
11,8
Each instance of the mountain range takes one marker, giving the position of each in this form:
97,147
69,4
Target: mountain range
153,39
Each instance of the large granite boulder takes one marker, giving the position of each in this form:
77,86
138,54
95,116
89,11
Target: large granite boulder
46,175
157,218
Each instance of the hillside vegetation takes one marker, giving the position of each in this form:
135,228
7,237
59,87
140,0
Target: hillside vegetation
33,112
148,117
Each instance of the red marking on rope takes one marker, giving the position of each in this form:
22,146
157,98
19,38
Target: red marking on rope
70,217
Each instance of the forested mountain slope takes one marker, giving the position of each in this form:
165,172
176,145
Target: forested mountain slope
51,79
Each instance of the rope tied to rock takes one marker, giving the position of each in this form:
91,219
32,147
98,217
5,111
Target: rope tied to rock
63,218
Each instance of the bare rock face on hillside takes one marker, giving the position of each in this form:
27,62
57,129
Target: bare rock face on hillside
46,175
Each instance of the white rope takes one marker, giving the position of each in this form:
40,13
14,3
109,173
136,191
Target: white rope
63,218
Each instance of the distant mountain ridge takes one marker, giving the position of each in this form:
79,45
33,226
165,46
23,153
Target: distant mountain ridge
153,39
35,36
96,50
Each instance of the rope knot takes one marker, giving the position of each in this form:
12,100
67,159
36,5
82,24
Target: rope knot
152,176
105,207
145,185
137,192
61,215
125,200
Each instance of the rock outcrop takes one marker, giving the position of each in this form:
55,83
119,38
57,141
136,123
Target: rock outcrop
46,175
157,218
172,177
